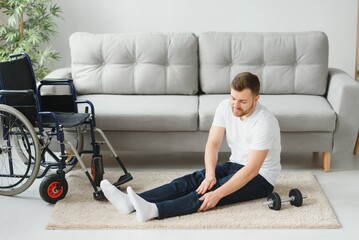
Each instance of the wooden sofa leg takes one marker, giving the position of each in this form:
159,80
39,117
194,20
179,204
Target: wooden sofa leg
356,148
326,161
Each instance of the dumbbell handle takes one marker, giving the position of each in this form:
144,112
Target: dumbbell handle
288,199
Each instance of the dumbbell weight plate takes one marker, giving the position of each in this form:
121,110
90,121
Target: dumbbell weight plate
298,198
277,202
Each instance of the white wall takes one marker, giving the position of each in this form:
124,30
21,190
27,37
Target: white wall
337,18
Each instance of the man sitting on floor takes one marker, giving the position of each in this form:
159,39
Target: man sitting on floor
253,136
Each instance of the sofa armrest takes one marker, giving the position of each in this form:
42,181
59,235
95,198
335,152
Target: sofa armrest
343,95
61,73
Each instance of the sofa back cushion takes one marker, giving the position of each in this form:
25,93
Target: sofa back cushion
135,63
286,63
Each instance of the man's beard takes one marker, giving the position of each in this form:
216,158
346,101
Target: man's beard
239,112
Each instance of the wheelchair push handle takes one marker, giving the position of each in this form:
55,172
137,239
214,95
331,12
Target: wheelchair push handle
16,55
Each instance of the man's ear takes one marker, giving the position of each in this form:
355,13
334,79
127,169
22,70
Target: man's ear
256,98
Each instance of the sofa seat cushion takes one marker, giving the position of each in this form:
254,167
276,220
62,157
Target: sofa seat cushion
145,112
207,107
295,113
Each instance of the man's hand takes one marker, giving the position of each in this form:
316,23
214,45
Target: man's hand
206,185
210,200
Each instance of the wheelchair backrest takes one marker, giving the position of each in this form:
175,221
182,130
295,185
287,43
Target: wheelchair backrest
17,74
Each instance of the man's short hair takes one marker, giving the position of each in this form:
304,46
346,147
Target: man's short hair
246,80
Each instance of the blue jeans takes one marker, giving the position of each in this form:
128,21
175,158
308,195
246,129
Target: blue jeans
179,197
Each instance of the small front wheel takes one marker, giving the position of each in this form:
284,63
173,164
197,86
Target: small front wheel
50,189
97,170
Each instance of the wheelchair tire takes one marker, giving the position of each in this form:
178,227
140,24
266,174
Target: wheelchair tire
97,170
17,171
48,191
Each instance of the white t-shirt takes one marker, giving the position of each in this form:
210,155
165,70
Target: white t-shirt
259,131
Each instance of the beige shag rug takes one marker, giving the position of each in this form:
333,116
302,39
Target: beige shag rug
78,210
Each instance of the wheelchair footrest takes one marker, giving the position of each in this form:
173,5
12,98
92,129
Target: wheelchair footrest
123,179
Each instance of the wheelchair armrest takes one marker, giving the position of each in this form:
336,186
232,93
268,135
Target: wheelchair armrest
55,86
26,92
53,81
16,92
92,108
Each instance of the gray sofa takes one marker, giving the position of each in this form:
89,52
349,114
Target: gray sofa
159,91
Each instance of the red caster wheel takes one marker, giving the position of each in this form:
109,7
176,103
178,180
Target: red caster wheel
97,170
50,191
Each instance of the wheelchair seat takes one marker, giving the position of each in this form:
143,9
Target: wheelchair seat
66,119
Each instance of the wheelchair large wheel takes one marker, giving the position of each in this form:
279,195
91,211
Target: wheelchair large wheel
17,171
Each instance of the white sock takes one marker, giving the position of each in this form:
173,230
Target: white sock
119,199
144,210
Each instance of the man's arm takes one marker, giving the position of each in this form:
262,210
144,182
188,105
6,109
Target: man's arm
241,178
214,142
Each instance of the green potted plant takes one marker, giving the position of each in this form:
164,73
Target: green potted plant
28,27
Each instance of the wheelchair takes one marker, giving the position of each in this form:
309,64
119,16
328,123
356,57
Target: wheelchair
42,134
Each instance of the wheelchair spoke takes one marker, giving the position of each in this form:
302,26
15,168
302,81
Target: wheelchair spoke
18,166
